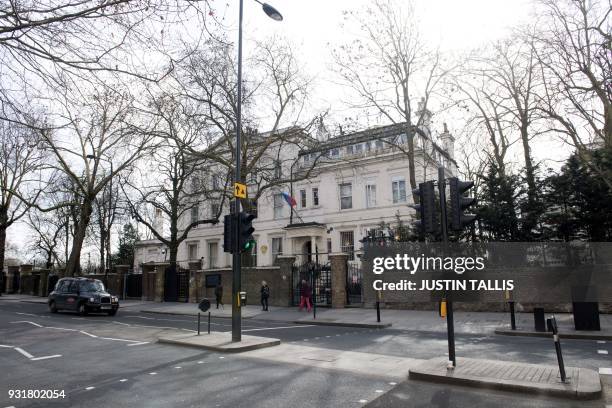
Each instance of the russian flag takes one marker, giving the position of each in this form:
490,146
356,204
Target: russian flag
290,200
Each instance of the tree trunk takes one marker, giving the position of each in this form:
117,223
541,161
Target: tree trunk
73,267
102,247
532,192
2,250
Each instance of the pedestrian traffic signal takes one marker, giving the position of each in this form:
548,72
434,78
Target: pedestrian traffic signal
426,209
459,203
245,225
228,233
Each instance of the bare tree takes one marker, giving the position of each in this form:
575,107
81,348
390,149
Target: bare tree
20,161
389,66
104,131
278,89
49,230
106,211
180,183
574,51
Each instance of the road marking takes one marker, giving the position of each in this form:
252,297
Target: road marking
379,391
275,328
45,357
601,342
602,351
124,324
2,345
605,371
141,317
178,367
363,401
221,357
12,406
88,334
138,344
153,373
200,362
25,321
89,388
25,353
392,383
26,314
123,380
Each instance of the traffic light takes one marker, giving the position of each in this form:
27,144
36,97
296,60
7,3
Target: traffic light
245,225
458,203
426,208
228,233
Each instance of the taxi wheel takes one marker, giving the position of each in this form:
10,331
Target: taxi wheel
52,307
82,309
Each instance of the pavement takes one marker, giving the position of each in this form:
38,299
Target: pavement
219,341
334,366
581,383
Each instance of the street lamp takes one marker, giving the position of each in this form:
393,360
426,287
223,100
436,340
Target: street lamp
110,200
236,286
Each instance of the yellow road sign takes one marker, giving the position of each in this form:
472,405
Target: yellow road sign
240,190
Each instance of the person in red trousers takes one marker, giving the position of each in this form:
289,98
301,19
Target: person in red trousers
305,294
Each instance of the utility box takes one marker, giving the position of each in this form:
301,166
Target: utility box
586,315
243,298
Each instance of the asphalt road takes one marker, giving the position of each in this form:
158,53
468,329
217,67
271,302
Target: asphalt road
127,369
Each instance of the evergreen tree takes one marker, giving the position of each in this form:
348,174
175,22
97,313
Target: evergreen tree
125,252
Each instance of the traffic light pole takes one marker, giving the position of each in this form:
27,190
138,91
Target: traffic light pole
450,324
236,279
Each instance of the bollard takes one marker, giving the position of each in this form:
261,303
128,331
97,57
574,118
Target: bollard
198,323
512,316
208,322
378,311
552,326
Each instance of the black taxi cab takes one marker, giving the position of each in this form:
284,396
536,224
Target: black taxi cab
82,295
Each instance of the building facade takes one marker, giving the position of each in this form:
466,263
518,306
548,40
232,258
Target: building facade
353,183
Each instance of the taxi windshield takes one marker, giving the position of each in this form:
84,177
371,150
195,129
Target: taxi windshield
92,286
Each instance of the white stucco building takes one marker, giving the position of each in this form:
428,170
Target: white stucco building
358,180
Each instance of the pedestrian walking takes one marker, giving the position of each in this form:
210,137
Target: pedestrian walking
265,294
305,294
219,295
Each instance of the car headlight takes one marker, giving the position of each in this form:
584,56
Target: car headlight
114,299
92,300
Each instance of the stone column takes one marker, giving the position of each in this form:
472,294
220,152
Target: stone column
44,281
160,274
338,279
285,290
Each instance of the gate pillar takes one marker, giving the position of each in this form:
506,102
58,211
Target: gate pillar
285,283
43,283
10,278
338,263
160,282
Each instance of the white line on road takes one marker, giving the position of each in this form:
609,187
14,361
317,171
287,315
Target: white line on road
138,344
124,324
2,345
153,373
601,342
45,357
123,380
602,351
88,334
275,328
89,388
25,314
25,353
25,321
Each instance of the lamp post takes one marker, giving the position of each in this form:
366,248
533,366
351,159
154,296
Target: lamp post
236,281
110,200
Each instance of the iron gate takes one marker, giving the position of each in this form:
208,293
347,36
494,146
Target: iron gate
133,285
354,289
51,282
176,288
3,283
318,276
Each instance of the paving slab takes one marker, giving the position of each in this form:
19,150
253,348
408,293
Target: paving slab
566,334
581,383
219,341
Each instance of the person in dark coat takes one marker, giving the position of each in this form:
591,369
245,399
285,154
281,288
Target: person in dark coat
305,294
219,295
265,294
